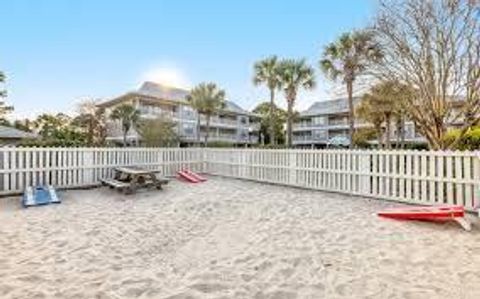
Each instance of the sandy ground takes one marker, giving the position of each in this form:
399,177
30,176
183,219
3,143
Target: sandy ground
229,239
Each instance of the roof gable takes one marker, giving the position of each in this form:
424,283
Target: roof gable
330,107
156,90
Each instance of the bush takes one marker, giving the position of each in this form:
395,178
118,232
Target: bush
220,144
362,136
269,146
468,142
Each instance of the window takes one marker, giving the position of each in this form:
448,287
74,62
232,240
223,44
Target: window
188,112
319,121
319,134
189,129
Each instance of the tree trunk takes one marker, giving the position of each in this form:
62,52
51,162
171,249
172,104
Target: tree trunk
398,129
289,123
379,137
400,132
198,128
379,130
273,140
126,128
125,138
207,127
388,144
351,119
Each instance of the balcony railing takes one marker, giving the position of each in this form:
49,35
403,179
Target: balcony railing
338,122
146,113
219,121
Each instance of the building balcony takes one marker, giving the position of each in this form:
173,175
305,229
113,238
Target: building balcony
219,122
309,139
232,138
153,115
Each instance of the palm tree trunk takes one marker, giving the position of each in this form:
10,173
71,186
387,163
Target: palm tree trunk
126,128
398,129
198,128
125,132
379,136
388,144
402,132
273,140
351,120
289,123
207,125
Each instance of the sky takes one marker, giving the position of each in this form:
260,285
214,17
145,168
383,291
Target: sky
56,53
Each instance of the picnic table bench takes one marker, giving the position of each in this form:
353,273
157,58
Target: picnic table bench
129,179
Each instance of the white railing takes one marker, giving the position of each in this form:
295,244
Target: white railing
419,177
79,167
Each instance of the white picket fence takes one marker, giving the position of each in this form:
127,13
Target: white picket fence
422,177
80,167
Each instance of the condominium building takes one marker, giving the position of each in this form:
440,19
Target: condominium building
232,125
326,122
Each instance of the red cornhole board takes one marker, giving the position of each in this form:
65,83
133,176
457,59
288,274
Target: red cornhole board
195,175
186,176
429,213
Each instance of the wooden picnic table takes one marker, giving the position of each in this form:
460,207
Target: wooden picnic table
131,178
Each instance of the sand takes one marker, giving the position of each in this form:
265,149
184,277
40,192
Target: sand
229,239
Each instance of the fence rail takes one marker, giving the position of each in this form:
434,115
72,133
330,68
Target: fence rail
79,167
422,177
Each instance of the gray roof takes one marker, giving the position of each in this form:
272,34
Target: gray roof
231,106
160,91
13,133
329,107
155,90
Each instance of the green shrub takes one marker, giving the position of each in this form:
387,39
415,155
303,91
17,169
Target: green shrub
362,137
468,142
220,144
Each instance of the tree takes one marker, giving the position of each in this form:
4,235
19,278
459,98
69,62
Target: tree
367,111
91,118
56,130
208,100
266,71
48,125
434,48
158,132
4,109
279,118
24,125
294,75
128,116
348,58
363,136
385,101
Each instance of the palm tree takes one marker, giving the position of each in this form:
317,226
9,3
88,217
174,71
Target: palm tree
128,116
390,98
208,100
348,58
368,111
294,74
266,71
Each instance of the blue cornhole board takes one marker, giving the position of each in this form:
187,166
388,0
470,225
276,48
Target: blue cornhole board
39,195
